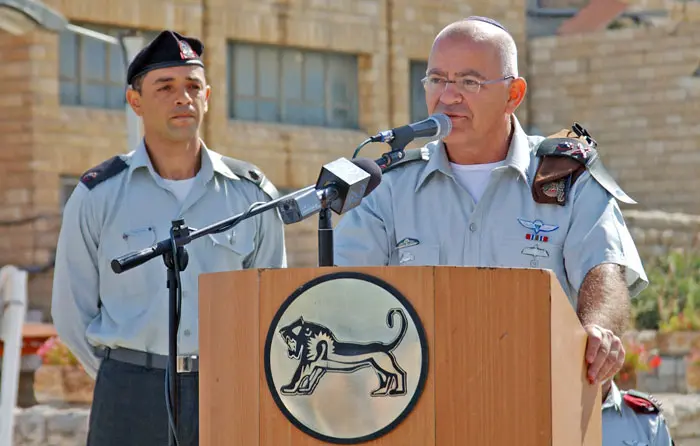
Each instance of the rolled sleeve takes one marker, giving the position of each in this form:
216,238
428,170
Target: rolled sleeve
598,234
75,298
362,235
662,436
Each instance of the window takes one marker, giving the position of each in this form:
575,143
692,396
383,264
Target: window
92,73
419,110
288,85
66,186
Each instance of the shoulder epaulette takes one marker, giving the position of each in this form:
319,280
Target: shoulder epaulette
251,173
641,402
410,156
563,157
103,172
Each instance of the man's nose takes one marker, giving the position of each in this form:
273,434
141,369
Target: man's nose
183,97
451,95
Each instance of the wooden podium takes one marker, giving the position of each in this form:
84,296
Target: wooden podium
505,359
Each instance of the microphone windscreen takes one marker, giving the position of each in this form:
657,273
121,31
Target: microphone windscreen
374,171
444,125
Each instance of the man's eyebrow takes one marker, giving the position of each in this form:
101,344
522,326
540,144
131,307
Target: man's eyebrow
470,72
162,80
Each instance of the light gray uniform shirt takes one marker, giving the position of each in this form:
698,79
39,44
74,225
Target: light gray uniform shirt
623,426
132,210
419,215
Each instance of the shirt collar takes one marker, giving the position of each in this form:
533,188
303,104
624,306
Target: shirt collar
211,162
614,398
518,156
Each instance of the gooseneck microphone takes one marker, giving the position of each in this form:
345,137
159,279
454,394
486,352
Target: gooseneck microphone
438,125
338,185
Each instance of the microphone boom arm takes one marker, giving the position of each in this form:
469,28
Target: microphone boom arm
136,258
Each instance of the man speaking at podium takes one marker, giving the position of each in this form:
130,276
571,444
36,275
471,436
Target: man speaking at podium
476,199
117,325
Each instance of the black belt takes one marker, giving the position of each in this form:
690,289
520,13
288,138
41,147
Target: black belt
185,363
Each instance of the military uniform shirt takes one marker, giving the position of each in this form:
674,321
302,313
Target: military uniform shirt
419,215
623,426
130,211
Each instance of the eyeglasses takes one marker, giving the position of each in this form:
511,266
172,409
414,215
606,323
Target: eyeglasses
437,84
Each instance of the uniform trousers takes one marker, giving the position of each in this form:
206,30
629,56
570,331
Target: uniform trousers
129,407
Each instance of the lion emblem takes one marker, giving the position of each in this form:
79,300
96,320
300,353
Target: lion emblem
319,352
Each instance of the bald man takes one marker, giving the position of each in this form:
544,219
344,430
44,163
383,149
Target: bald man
490,195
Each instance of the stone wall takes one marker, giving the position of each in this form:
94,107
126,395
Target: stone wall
656,232
48,426
633,90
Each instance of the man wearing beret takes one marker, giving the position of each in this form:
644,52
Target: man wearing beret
117,325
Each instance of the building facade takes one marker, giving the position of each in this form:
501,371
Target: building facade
295,84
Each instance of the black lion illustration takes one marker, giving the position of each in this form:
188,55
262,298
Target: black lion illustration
318,352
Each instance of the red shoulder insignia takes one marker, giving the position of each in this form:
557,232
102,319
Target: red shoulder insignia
641,402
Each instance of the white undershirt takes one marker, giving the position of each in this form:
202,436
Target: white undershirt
474,177
181,188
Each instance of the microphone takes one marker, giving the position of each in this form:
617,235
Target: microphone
341,184
438,125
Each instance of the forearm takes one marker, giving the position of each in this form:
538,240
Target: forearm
604,299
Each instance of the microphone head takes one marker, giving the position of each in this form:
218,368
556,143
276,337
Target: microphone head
444,124
374,171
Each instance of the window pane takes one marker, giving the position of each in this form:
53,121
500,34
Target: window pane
315,115
293,112
291,74
267,111
342,85
68,51
117,71
93,95
419,110
243,71
268,73
244,109
94,60
69,92
116,96
314,79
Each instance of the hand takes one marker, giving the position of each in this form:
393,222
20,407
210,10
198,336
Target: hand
605,354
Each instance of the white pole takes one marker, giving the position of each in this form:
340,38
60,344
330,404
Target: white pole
13,307
132,45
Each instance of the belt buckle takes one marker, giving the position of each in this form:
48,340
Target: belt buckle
186,364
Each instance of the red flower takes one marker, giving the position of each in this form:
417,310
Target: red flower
655,361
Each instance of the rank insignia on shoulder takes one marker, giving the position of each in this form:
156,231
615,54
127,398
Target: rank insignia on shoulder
564,156
103,172
641,402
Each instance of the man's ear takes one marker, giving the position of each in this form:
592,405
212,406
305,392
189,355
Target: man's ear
516,94
133,97
207,93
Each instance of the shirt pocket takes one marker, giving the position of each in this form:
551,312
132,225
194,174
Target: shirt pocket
417,255
232,248
134,290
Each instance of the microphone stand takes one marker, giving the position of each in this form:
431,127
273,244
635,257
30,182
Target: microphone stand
175,258
325,232
397,153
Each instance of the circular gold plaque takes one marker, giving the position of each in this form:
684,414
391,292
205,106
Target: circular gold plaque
346,358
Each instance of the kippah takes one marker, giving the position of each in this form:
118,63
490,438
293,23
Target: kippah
168,49
486,20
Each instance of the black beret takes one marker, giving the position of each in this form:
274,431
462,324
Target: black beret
168,49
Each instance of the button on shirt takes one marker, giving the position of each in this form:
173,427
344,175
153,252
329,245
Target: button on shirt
93,306
623,426
420,215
